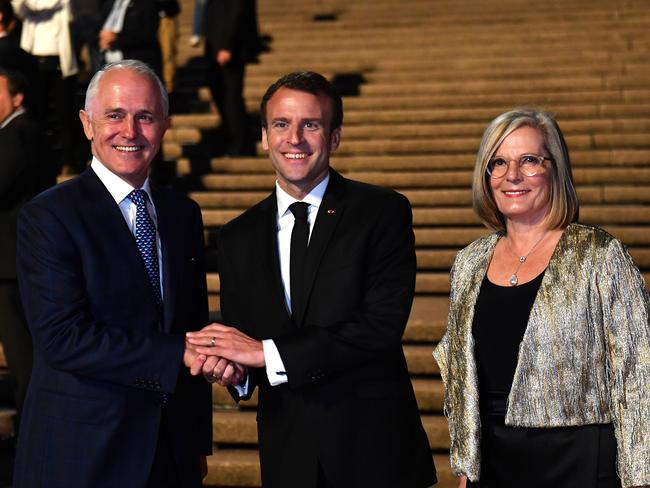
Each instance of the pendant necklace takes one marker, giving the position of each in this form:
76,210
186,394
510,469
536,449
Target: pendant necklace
522,259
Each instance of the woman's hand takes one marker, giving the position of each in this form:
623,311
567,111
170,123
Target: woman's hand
462,482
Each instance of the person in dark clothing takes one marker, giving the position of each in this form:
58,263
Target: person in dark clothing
14,58
20,179
130,31
231,42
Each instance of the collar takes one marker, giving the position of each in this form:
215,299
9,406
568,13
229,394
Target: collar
14,114
116,186
315,197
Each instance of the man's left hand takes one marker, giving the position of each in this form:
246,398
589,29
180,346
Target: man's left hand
227,342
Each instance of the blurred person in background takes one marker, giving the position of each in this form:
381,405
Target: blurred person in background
231,42
46,34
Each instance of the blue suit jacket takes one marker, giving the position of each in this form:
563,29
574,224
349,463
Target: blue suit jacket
107,366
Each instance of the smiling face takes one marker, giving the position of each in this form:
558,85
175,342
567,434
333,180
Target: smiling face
522,198
299,140
125,124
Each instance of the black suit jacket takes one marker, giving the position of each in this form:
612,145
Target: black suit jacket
108,373
20,178
13,58
349,404
139,36
232,25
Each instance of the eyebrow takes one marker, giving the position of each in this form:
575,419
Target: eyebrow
121,110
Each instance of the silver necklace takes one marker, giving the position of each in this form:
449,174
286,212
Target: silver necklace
514,280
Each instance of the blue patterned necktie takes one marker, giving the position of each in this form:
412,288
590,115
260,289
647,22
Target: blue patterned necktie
145,239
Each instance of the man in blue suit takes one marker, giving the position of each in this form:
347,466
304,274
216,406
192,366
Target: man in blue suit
111,272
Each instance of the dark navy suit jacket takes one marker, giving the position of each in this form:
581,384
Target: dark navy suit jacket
108,372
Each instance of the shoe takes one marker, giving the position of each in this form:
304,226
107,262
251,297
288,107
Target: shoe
195,41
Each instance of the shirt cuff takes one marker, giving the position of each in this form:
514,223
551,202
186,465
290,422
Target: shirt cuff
275,370
242,390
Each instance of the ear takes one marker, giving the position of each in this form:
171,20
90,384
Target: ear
265,141
87,125
17,100
335,139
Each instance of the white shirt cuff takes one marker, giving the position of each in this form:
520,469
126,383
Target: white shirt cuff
275,370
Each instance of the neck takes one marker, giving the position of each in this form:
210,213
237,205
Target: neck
522,237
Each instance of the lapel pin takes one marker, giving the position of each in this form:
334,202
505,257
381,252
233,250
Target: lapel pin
330,211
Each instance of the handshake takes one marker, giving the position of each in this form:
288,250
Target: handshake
221,354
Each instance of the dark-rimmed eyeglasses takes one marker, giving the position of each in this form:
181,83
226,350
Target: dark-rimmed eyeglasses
529,165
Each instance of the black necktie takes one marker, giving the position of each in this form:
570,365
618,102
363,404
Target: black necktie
299,239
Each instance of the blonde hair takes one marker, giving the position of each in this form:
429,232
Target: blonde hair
564,207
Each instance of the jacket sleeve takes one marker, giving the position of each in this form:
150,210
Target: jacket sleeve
374,329
61,321
627,332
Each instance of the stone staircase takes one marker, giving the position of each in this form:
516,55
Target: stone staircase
421,80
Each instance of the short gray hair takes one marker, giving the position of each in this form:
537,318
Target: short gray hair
131,65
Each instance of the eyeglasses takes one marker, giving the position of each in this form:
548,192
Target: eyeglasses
529,165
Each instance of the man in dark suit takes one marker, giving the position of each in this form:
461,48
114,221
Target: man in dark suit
320,324
231,42
111,274
20,179
135,35
13,58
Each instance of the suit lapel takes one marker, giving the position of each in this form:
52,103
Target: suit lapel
104,214
268,242
327,219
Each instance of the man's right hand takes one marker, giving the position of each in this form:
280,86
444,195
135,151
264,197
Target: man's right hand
107,39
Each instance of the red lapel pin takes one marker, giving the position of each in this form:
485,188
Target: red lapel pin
330,211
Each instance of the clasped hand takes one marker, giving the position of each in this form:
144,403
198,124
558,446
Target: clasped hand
221,353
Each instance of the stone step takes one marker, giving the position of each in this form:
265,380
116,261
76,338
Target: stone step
445,95
233,427
631,235
423,113
457,216
261,165
429,393
426,324
231,468
424,179
426,282
591,127
591,194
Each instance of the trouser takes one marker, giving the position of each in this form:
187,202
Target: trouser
57,113
227,88
16,339
197,18
168,39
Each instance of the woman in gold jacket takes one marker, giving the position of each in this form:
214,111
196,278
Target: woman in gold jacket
546,359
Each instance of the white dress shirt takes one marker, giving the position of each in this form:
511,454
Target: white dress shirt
275,370
119,190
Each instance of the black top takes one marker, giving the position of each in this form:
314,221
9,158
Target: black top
512,457
500,320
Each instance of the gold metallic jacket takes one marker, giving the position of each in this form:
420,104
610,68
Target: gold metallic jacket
584,358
